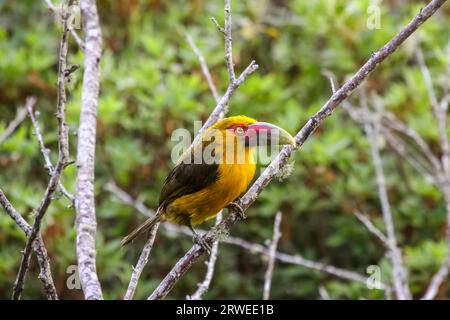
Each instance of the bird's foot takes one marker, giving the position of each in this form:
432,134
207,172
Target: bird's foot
198,239
238,208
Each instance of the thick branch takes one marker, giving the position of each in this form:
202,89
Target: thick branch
86,223
196,251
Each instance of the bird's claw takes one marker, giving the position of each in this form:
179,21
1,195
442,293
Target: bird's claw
198,239
238,208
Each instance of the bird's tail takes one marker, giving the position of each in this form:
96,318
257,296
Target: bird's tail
142,228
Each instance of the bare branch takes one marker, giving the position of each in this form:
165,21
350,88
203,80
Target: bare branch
196,251
300,261
400,276
251,247
12,126
142,262
63,158
46,153
228,42
440,113
210,266
223,102
324,295
438,278
370,226
74,34
45,274
204,67
271,257
86,222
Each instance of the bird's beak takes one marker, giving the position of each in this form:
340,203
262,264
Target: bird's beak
267,133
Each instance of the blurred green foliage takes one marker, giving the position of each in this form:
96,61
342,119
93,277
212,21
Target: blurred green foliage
152,84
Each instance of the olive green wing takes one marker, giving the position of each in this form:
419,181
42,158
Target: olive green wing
187,178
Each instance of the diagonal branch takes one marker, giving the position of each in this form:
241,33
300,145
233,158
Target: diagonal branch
249,246
12,126
86,222
63,157
46,152
45,274
196,251
142,262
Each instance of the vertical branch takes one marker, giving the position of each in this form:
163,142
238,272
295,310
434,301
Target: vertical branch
272,256
143,259
399,276
63,157
86,223
45,274
229,42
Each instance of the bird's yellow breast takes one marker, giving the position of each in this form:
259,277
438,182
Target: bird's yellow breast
233,180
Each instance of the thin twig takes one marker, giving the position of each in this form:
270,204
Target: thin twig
74,34
204,67
46,153
372,229
12,126
45,274
271,258
142,262
324,295
86,222
229,42
196,251
440,113
63,157
210,266
400,275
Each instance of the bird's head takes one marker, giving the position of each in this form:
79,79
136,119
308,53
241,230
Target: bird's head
254,133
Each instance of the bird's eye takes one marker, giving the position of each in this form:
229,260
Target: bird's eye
240,131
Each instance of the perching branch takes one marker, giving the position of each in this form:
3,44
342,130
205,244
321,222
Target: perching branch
86,223
45,274
340,95
271,257
254,248
63,157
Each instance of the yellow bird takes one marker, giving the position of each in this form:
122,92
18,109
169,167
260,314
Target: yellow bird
212,174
